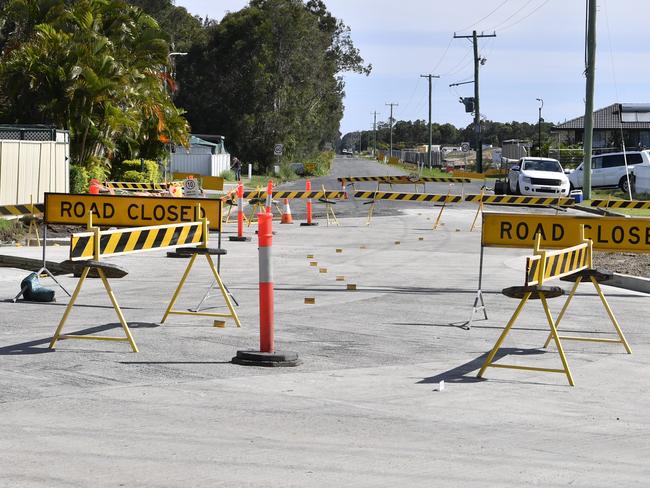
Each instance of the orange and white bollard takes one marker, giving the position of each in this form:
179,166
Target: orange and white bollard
240,216
269,197
287,218
309,206
267,355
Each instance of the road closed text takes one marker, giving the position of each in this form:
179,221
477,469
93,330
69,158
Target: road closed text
127,211
558,231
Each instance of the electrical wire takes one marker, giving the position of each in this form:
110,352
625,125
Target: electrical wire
513,15
483,18
525,17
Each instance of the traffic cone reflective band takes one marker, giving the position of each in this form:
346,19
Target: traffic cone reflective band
286,215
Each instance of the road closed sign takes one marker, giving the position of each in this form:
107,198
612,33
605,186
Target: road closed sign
560,231
128,211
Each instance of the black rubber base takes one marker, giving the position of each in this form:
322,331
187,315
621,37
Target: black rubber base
305,224
239,239
277,359
272,232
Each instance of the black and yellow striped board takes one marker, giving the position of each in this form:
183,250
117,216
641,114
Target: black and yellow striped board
129,211
301,194
22,209
124,241
468,174
519,200
409,197
643,204
135,186
403,179
556,263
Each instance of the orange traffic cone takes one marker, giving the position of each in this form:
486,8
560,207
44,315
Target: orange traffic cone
286,215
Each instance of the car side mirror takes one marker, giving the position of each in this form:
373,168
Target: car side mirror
567,171
514,168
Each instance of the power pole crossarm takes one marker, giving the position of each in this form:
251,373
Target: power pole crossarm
477,113
429,76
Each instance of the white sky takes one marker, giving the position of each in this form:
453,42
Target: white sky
538,53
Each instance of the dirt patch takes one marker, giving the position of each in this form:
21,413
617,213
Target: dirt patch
623,262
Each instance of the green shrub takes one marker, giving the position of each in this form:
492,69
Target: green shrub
11,230
286,173
228,175
80,177
131,170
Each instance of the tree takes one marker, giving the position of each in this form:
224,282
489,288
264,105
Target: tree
93,67
270,74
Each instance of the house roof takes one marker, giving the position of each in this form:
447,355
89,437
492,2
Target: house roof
615,116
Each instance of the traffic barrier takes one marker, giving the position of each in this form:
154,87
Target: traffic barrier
570,264
635,204
296,194
267,355
240,216
286,215
135,186
519,200
402,179
128,210
411,197
93,245
468,174
22,209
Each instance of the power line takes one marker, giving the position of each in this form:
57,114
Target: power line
513,15
525,17
483,18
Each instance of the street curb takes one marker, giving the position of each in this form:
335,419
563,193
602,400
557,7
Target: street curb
633,283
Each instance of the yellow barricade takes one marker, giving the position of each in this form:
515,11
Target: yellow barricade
576,263
95,244
636,204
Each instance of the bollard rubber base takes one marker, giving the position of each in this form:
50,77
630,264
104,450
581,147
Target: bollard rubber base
307,224
277,359
239,239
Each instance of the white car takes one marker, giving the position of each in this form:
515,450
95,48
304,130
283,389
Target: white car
538,177
608,170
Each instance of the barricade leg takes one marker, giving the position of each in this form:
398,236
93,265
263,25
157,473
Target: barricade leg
57,334
564,309
556,338
179,288
504,334
611,316
73,299
224,292
118,310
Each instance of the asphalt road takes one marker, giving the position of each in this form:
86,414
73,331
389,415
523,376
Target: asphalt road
344,166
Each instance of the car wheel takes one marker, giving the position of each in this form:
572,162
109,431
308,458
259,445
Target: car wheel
623,183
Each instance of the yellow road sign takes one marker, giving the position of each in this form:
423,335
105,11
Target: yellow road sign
559,231
128,211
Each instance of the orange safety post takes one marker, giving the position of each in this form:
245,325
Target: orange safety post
240,216
269,197
309,222
267,355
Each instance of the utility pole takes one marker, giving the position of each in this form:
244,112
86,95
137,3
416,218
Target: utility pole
390,154
374,132
539,126
429,76
589,98
477,113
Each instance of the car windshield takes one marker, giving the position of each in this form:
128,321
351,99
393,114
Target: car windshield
543,165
